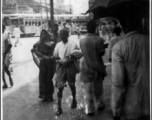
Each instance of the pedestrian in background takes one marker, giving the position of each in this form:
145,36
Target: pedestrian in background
17,32
7,56
92,69
116,38
54,35
130,74
65,27
65,69
69,27
78,31
42,54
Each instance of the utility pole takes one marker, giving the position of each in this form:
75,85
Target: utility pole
47,12
16,7
52,13
41,13
70,8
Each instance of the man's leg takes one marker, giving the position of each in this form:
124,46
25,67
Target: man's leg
145,117
89,98
9,75
71,75
98,91
59,97
4,80
16,41
73,90
19,41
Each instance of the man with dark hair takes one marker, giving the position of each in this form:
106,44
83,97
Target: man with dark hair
65,69
54,34
130,74
116,38
92,69
91,27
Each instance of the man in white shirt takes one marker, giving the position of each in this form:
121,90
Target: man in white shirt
65,69
16,33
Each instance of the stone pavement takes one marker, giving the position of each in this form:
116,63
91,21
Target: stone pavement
22,103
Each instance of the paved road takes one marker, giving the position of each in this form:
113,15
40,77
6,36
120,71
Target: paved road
21,102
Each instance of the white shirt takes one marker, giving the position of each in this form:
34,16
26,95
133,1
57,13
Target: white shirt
16,32
64,49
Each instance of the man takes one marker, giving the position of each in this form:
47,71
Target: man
16,33
65,27
117,37
65,69
54,34
7,56
130,75
92,69
69,28
78,31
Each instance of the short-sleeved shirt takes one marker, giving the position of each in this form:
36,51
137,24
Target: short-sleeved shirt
64,49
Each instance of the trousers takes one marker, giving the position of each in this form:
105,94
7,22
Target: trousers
93,95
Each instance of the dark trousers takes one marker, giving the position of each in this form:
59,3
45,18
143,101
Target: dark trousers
146,117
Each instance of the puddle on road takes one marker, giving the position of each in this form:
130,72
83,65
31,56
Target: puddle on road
71,114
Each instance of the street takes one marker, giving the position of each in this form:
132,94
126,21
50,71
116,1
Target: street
21,101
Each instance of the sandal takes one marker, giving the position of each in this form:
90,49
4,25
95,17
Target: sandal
58,112
5,86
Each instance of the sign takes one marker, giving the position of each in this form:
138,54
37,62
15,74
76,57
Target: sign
9,6
9,2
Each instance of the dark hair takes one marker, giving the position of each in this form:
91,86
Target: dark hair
117,30
91,26
56,25
129,24
65,31
43,30
115,22
3,27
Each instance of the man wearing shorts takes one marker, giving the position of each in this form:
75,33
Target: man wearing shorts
65,69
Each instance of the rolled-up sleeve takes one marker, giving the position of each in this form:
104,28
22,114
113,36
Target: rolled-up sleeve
118,79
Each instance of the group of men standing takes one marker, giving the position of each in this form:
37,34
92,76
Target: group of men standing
130,89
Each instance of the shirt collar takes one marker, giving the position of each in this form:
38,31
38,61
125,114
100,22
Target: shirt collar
130,33
64,43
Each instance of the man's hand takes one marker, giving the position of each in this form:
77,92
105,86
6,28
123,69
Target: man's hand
62,61
45,57
56,58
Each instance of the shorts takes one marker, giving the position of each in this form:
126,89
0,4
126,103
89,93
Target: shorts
65,75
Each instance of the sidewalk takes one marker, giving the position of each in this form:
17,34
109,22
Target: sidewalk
22,103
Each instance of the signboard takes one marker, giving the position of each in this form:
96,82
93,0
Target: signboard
9,6
9,2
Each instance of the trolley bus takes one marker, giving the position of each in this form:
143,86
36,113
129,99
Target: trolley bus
30,24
